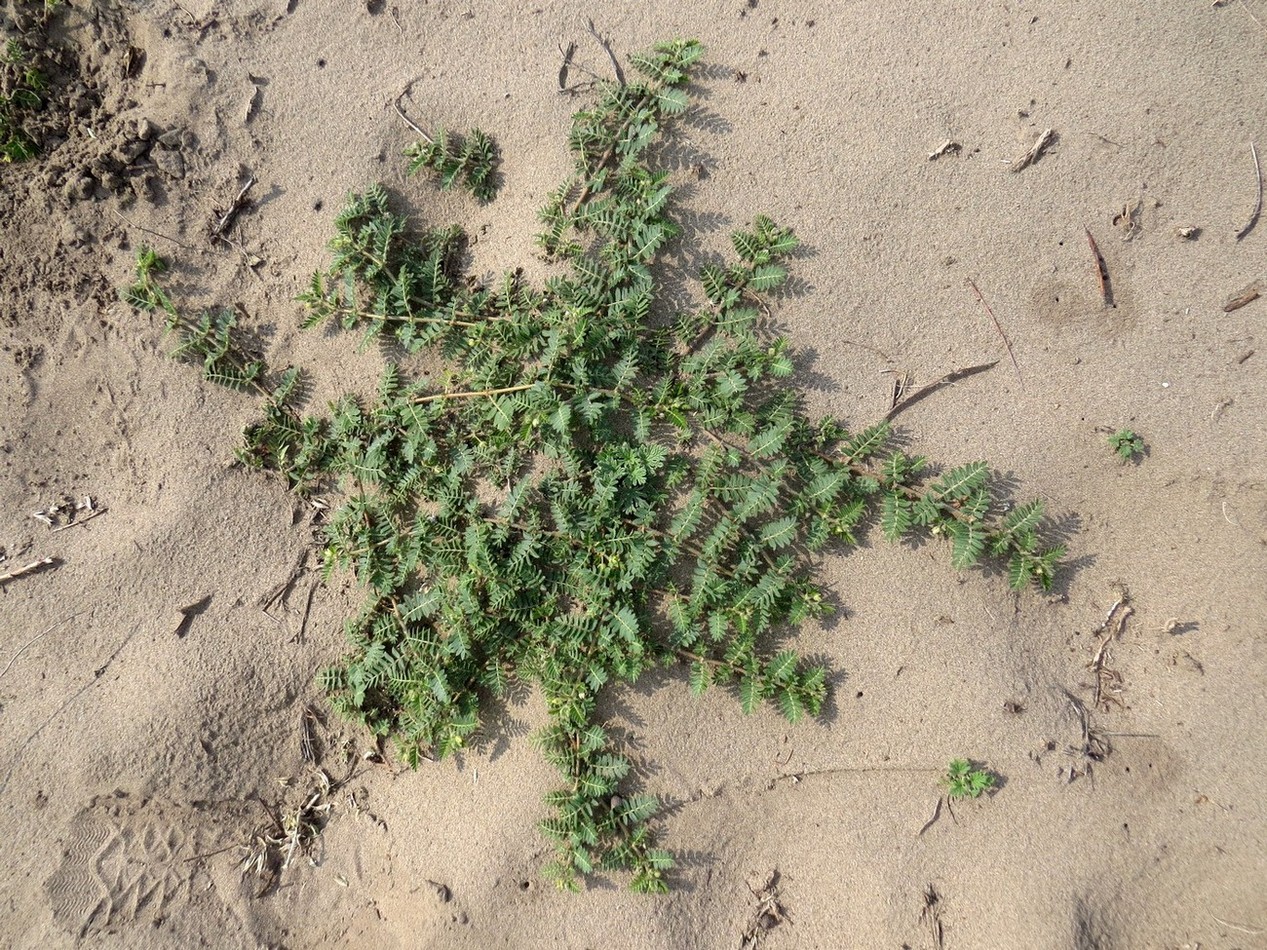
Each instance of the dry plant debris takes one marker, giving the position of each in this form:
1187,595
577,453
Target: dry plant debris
29,568
1101,270
1258,201
1242,298
1108,682
947,147
767,915
1044,141
67,513
1093,748
1007,344
1127,220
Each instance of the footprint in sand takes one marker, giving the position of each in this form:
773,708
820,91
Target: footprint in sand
124,859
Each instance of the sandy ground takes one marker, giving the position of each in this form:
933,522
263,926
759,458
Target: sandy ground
137,753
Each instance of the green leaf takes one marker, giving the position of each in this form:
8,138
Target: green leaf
700,677
824,488
961,481
780,533
1019,571
1023,517
782,667
895,517
792,705
421,605
968,544
671,101
770,440
625,624
767,277
867,442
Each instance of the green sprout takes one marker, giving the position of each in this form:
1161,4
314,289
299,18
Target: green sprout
963,781
1127,444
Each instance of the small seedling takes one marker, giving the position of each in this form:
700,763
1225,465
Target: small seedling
963,781
1127,444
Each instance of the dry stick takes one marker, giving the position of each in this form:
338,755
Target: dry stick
37,638
871,348
567,64
847,770
620,73
952,377
1253,932
482,392
1245,7
165,237
1036,151
84,520
1103,675
212,854
401,112
227,218
1247,296
96,676
932,821
1101,270
998,326
1258,203
1124,599
29,568
303,624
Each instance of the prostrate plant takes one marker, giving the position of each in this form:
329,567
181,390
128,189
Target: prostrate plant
963,781
594,491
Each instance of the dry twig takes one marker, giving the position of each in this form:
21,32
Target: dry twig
593,31
1045,139
769,912
29,569
932,821
35,639
1107,680
1246,296
951,377
1253,16
1095,745
401,112
998,326
227,219
1258,202
1101,270
165,237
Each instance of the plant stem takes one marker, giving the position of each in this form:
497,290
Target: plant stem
481,392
